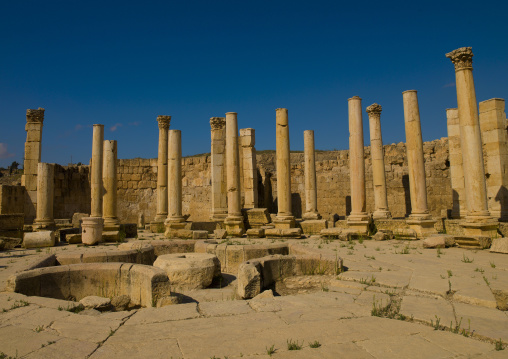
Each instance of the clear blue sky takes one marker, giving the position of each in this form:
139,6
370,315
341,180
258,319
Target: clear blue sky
123,63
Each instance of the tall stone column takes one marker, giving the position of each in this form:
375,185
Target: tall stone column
358,219
218,151
378,163
109,180
311,211
234,220
285,218
250,178
495,145
33,128
478,220
96,170
162,169
456,168
420,219
175,177
45,196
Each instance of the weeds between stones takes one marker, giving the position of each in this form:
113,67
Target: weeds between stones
466,259
315,344
479,270
293,345
271,350
450,274
499,345
492,264
436,326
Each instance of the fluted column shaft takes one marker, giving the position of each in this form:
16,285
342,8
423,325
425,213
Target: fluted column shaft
96,170
283,165
45,195
110,184
311,211
378,163
470,135
218,163
415,158
162,169
175,176
248,160
356,160
233,167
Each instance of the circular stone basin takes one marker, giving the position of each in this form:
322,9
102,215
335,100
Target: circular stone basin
189,270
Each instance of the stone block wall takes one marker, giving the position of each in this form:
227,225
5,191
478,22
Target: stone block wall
72,191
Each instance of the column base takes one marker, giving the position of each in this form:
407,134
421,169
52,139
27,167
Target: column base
157,227
160,217
422,227
234,226
218,217
381,214
359,222
309,216
483,228
43,225
284,222
111,224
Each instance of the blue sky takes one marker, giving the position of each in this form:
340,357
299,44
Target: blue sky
124,63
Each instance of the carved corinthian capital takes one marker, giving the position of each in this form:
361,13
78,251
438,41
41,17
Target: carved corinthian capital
462,58
35,115
164,122
217,123
374,110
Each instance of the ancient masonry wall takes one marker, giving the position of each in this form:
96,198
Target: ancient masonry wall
137,180
137,183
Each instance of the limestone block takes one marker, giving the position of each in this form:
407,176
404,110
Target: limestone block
39,239
91,230
189,270
499,245
256,233
110,236
199,234
220,233
120,302
130,230
265,294
257,217
77,218
73,238
10,242
434,242
331,233
313,226
98,303
283,233
380,236
234,256
248,280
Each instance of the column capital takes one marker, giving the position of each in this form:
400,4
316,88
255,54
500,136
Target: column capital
164,122
217,123
35,115
374,110
462,58
355,98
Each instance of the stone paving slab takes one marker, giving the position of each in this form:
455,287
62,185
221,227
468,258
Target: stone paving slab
226,308
164,314
487,322
64,348
163,348
428,309
18,341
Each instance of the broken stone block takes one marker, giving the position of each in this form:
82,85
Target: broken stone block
265,294
199,234
120,302
434,242
98,303
499,245
10,242
331,233
77,219
255,233
380,236
74,238
313,226
189,270
283,233
111,236
220,233
39,239
248,281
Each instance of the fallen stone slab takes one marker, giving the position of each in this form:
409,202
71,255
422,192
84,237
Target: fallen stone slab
11,242
283,233
248,280
313,226
499,245
73,238
111,236
98,303
331,233
67,231
220,234
255,233
199,234
39,239
439,241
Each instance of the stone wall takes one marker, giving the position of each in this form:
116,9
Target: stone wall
137,183
138,179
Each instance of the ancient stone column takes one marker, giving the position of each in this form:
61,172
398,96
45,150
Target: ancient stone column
45,196
33,128
250,178
311,211
109,180
234,220
456,168
162,169
495,145
378,163
479,220
96,170
175,177
358,218
420,219
218,151
285,218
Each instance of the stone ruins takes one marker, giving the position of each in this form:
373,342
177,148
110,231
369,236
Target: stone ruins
277,245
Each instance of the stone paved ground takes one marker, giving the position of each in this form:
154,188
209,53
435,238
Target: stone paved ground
400,280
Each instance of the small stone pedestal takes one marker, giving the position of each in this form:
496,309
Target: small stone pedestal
360,227
92,230
234,226
284,223
422,227
487,228
313,226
